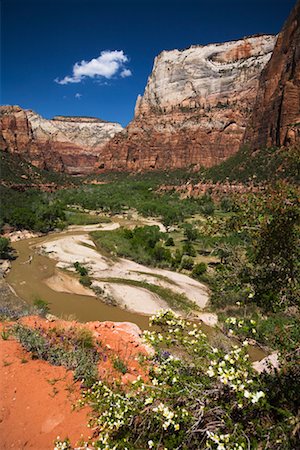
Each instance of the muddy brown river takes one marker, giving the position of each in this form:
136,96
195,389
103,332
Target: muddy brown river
28,281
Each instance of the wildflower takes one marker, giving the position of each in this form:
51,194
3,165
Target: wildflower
150,444
257,396
149,400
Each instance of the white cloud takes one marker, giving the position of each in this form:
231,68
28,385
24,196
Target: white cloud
107,65
126,73
77,95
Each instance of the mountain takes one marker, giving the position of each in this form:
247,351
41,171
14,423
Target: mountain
275,119
194,109
62,144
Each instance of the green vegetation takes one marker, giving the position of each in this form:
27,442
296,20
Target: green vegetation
143,244
196,396
198,270
80,269
84,279
261,166
17,171
119,365
5,248
73,349
79,218
32,210
41,306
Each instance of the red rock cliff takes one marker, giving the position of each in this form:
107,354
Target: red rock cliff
63,144
275,120
194,109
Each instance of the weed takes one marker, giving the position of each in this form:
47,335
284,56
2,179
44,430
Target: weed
119,365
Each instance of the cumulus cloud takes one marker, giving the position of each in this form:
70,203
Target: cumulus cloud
126,73
109,64
77,95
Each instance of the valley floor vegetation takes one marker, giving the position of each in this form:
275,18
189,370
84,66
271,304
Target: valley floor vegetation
245,247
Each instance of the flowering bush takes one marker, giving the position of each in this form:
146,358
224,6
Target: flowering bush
244,327
195,396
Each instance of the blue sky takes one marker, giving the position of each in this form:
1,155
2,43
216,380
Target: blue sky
42,40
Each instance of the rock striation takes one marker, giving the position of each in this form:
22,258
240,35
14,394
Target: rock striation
194,109
62,144
275,120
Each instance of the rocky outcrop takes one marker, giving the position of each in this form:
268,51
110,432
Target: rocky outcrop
63,144
195,107
275,120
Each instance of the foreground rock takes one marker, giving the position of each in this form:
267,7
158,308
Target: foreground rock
194,109
62,144
275,120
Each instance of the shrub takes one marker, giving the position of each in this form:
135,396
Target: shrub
119,365
80,269
85,280
199,269
4,248
195,397
42,306
169,242
190,232
187,263
188,249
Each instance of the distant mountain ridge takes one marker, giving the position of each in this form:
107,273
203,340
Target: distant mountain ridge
63,144
199,107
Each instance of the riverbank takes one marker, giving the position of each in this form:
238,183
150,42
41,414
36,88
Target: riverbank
113,277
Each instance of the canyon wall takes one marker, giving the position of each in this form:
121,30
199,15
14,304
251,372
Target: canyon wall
62,144
194,109
275,120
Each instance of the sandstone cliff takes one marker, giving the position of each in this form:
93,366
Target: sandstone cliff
195,107
276,116
63,144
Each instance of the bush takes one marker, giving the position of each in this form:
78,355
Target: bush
188,249
169,242
232,407
199,269
5,248
80,269
187,263
190,232
42,306
85,280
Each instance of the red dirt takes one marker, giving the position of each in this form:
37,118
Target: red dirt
37,398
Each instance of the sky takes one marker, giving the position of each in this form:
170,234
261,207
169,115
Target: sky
93,57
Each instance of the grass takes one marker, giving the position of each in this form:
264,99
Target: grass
156,275
119,365
173,299
73,349
79,218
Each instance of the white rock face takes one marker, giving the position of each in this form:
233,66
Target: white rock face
82,131
202,75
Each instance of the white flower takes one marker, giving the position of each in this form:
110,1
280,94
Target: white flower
210,372
257,396
150,444
247,394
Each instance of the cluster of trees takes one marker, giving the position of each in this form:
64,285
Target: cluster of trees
33,210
